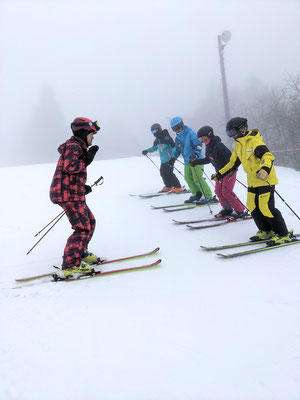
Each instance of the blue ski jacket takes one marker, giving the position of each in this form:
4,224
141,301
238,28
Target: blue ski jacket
187,144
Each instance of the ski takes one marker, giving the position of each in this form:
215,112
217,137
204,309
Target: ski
149,196
158,194
114,271
241,244
218,223
258,250
171,206
186,207
199,221
181,206
150,253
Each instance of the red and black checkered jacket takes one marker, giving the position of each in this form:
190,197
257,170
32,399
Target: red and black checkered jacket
70,174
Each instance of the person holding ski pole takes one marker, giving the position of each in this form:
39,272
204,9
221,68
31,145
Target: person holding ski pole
218,155
68,189
257,161
187,144
164,144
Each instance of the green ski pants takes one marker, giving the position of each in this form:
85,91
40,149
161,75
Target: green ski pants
196,182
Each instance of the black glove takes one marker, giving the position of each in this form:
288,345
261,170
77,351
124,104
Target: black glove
88,189
172,162
194,157
193,162
91,154
144,152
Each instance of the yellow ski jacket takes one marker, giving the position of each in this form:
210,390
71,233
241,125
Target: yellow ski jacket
253,154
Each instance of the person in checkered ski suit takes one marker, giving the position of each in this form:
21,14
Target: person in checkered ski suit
68,189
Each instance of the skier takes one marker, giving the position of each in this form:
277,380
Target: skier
164,143
68,189
218,155
257,161
187,144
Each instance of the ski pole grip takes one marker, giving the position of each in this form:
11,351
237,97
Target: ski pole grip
97,182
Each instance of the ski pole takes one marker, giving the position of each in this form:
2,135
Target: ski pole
49,223
177,159
242,184
210,210
178,171
209,180
57,219
152,162
174,163
283,199
98,182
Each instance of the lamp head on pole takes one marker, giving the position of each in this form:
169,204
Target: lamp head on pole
226,36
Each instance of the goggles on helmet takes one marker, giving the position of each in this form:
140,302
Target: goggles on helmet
84,125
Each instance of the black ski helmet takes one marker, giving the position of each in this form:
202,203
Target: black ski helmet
156,128
234,125
206,131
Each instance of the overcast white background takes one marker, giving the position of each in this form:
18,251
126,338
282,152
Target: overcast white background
130,64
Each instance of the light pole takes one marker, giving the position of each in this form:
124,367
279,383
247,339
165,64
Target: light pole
222,40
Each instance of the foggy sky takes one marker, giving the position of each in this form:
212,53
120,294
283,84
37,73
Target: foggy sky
129,64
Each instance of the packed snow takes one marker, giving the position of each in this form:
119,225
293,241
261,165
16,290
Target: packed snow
195,328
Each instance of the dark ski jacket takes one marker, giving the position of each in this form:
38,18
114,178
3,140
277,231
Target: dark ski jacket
164,144
216,153
68,183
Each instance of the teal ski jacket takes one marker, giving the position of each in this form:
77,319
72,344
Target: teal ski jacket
165,145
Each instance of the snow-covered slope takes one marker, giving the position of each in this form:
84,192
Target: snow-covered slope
198,327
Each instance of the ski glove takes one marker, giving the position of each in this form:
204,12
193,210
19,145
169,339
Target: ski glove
144,152
88,189
172,162
194,157
91,154
193,162
215,177
262,175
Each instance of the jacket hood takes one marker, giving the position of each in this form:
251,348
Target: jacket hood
61,149
161,134
249,135
214,140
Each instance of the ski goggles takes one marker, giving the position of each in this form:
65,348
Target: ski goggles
155,131
232,132
177,128
85,125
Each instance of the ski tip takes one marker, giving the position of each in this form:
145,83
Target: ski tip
223,255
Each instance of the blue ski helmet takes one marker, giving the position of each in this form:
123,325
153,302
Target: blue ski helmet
176,123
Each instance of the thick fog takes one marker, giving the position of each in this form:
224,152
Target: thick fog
130,63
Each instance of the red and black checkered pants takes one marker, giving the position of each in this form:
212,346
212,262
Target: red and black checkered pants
83,222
